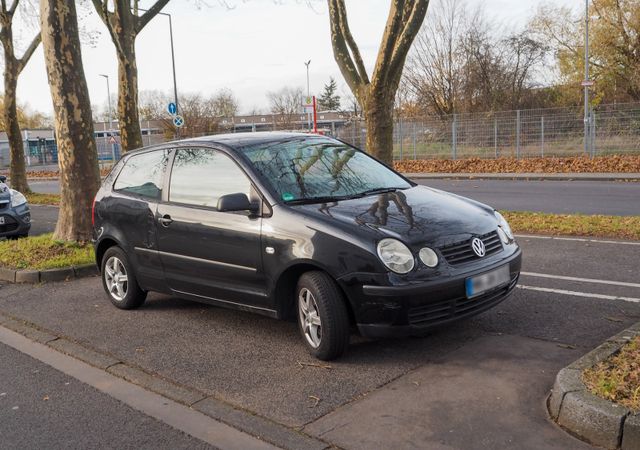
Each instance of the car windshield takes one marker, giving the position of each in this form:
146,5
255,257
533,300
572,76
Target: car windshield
312,170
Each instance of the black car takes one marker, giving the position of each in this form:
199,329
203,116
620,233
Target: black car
299,226
15,216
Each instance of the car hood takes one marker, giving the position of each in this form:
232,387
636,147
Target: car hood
5,193
415,215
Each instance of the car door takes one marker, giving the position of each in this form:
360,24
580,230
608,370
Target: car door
131,211
207,253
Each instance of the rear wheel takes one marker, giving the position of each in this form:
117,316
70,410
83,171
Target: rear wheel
119,281
322,315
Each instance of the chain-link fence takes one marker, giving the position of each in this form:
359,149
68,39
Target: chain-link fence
520,134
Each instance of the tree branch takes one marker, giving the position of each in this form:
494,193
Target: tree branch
408,34
29,52
12,8
392,29
340,49
144,19
344,27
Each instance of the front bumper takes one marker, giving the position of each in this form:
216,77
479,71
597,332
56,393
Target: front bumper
17,221
405,310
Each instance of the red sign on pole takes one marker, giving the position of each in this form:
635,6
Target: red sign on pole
586,83
315,115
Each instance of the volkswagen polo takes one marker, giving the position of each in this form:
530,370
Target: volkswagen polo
298,226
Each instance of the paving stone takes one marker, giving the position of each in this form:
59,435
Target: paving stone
61,274
567,380
631,433
27,276
87,355
596,355
7,275
85,270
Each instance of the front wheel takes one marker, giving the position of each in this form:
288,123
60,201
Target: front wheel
119,281
322,316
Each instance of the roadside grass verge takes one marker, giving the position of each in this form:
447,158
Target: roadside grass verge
35,198
619,227
42,252
618,378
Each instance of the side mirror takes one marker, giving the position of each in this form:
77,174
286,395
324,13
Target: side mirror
235,202
3,179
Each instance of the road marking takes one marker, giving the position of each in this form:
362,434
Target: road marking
583,280
579,294
178,416
599,241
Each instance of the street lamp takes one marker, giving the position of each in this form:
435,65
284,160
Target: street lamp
113,149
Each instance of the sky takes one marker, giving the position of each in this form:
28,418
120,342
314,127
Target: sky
256,47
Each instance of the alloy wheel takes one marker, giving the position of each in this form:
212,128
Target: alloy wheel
116,279
309,317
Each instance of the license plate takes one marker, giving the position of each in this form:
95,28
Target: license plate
487,281
1,220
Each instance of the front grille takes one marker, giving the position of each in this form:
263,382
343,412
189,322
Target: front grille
461,252
10,224
446,310
4,205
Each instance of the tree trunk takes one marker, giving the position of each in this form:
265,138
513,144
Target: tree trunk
378,115
128,118
77,155
17,170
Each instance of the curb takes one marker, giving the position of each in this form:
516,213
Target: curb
48,275
591,418
240,419
527,176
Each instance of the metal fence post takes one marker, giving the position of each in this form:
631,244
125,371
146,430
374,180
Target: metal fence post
454,137
495,135
414,141
517,134
593,132
542,136
400,135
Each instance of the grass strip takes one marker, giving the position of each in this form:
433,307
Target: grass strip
35,198
42,252
618,378
617,227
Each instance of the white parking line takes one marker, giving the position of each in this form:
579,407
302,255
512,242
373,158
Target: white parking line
599,241
582,280
579,294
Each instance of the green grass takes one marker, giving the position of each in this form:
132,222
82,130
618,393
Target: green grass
620,227
618,378
42,252
35,198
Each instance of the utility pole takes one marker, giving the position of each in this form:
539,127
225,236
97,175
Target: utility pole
586,78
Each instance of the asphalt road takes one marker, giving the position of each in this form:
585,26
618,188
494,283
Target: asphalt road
478,383
562,197
586,197
43,408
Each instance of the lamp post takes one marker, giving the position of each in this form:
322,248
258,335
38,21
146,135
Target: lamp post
308,95
586,78
113,148
173,62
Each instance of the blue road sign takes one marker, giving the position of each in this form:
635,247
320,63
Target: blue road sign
172,108
178,121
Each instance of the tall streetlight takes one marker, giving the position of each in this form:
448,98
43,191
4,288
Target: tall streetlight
113,149
308,95
586,78
173,61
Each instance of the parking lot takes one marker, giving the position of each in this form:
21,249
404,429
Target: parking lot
481,383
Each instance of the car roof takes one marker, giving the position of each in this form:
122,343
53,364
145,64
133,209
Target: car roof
237,140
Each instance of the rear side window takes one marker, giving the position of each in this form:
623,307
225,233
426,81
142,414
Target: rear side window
201,176
142,174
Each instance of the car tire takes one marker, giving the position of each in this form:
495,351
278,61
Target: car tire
322,314
124,293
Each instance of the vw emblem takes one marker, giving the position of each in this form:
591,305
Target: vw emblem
478,247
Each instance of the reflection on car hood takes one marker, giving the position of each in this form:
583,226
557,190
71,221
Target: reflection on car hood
416,215
5,193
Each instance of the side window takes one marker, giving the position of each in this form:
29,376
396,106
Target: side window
201,176
142,174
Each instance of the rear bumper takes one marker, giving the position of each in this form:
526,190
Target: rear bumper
405,310
17,221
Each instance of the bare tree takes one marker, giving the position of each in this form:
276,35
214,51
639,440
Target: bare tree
77,155
13,67
287,102
124,25
377,95
225,103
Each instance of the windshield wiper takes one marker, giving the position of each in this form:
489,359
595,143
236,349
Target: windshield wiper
379,191
321,199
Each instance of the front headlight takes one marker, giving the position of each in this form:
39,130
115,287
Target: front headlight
17,198
504,225
395,255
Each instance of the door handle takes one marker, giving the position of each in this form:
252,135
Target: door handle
165,220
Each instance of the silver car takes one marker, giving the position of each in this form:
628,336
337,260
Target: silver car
15,217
